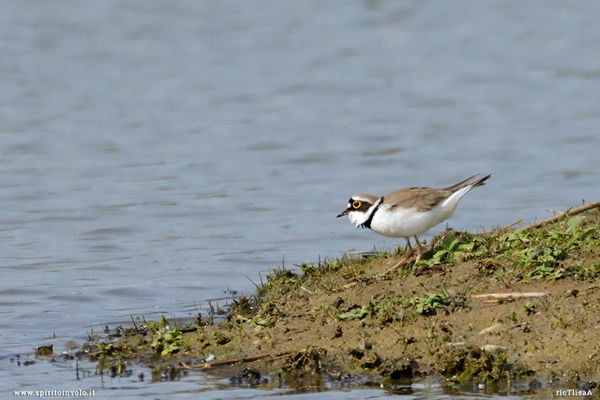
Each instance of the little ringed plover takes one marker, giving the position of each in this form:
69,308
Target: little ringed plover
408,212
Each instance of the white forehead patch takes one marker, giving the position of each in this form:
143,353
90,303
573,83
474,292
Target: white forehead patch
361,197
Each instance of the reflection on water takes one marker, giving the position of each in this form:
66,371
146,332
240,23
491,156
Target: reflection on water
144,382
153,155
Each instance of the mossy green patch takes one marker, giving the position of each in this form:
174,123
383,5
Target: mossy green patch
168,342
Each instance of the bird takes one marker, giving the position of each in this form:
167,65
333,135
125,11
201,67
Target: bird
408,212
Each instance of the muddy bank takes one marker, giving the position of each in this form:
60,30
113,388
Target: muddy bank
345,317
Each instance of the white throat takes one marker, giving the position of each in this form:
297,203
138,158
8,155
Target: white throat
359,217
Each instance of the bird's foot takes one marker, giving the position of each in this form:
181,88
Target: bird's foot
399,264
418,257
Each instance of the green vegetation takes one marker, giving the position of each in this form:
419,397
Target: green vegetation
167,342
428,305
527,254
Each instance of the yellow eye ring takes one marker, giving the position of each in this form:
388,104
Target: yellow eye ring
356,205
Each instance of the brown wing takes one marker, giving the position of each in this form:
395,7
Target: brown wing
421,198
424,198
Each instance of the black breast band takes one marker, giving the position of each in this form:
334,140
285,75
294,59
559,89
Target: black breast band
367,223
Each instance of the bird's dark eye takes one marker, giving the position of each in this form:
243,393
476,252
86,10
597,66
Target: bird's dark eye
356,205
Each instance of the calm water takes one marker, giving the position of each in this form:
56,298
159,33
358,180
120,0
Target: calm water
154,154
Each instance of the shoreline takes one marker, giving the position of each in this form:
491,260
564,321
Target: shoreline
490,308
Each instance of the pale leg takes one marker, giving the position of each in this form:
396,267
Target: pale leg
409,250
408,256
420,249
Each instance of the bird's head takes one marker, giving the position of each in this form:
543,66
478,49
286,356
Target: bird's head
359,208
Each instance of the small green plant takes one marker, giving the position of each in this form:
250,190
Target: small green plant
261,323
591,272
356,313
324,312
428,305
242,304
160,326
390,311
499,275
385,311
221,338
167,342
561,321
512,317
457,246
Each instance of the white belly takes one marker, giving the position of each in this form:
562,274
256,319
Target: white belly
403,223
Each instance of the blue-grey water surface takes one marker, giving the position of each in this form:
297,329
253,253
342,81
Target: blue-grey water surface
154,155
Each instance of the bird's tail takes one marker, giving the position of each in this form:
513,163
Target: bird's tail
480,182
469,182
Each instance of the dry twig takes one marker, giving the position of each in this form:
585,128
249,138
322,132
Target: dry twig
568,213
491,329
215,364
509,295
